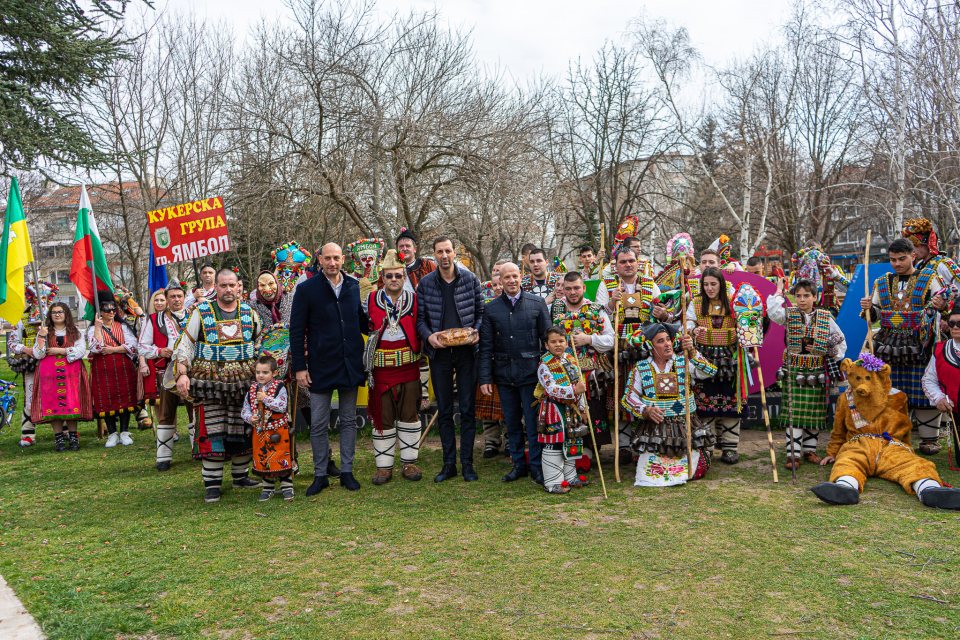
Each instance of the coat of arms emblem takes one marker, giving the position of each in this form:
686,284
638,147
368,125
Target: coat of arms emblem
162,236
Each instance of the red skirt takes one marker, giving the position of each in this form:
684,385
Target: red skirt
114,384
147,389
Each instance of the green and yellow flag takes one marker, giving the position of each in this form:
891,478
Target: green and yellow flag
15,254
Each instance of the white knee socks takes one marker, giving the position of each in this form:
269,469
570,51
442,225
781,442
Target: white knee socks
926,483
849,481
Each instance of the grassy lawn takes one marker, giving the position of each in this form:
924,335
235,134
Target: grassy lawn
97,544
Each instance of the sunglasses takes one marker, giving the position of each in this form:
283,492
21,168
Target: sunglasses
393,276
108,310
953,324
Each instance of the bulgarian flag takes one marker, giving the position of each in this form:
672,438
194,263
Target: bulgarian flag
15,254
88,271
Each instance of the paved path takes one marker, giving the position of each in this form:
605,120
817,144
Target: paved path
15,622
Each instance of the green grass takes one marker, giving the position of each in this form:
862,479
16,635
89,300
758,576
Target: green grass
97,544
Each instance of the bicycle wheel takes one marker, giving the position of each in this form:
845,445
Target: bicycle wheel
11,412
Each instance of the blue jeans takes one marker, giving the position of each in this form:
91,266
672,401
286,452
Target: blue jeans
442,367
517,402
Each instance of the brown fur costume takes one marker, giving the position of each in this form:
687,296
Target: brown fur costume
883,412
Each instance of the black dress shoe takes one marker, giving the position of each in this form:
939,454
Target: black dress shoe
348,482
469,475
536,476
163,466
941,498
319,484
332,470
730,457
490,452
448,472
518,471
835,493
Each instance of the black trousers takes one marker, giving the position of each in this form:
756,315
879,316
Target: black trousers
443,365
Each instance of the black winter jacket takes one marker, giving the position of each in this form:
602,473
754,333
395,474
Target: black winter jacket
469,298
511,340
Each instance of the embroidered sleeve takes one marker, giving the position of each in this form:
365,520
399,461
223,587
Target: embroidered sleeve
145,345
931,384
95,346
40,347
246,413
277,403
183,350
700,368
836,342
551,387
632,399
13,341
604,340
78,350
129,341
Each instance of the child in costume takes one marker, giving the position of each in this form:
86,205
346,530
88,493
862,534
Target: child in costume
815,346
871,437
656,394
265,408
562,423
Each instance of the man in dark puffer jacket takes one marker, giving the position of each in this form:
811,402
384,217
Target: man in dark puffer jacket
451,298
510,347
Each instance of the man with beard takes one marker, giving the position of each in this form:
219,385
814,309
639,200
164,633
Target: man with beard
588,327
540,281
215,366
633,298
511,341
156,342
392,364
326,345
449,299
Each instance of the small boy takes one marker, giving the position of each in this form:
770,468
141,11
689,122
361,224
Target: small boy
562,410
265,408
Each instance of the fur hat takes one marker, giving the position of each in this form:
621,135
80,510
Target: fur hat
390,261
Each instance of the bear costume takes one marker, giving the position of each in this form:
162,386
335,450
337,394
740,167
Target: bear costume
871,437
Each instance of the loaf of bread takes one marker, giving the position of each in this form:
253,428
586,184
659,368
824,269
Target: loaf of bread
456,337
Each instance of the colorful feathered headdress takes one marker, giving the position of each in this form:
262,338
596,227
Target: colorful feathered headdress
920,232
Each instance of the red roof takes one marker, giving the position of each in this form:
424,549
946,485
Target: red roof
106,193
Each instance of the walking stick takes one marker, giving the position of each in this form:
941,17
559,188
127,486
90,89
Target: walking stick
427,430
766,415
866,288
686,383
293,427
616,397
593,438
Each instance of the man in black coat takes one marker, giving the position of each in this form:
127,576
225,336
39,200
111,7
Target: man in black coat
328,314
451,298
511,341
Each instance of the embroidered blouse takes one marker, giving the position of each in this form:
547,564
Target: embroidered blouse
777,312
74,353
129,340
277,403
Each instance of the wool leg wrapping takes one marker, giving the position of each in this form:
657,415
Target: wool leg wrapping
191,429
570,470
286,482
268,484
27,428
408,435
552,462
165,442
809,440
794,436
729,435
212,471
928,423
240,466
384,444
626,435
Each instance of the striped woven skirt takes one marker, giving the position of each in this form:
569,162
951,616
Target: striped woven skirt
806,405
114,384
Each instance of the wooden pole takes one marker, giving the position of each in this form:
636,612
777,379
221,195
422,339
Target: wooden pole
602,249
616,395
593,438
427,430
686,378
866,287
766,415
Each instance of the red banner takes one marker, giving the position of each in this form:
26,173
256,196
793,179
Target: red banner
187,231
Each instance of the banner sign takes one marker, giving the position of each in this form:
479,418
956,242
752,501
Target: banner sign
187,231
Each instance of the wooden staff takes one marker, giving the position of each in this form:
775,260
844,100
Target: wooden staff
616,394
293,426
866,288
766,414
686,376
593,438
427,430
602,250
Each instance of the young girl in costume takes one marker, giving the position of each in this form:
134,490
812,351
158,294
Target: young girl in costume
562,414
61,392
265,408
815,346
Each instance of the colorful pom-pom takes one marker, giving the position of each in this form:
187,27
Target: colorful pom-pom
564,484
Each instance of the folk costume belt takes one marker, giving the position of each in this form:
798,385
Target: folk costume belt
387,358
803,360
910,320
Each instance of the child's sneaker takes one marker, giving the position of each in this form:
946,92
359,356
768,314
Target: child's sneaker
288,494
266,494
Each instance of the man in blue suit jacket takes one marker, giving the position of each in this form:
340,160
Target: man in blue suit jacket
327,314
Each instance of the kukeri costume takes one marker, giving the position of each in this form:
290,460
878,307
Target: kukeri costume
908,327
673,280
807,374
217,347
562,425
920,231
871,438
662,448
814,265
161,331
594,359
272,444
542,288
392,362
20,354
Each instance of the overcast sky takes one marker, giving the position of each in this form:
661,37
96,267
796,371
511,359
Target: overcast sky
541,36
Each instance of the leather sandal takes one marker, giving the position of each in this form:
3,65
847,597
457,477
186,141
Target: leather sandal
382,476
811,456
930,448
792,463
411,472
